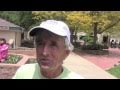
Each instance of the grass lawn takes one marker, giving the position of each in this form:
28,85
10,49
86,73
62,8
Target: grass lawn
115,71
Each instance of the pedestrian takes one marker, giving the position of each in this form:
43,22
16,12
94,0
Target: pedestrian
3,49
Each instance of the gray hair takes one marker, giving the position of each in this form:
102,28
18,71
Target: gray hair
68,44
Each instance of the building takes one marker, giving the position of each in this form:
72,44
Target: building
11,32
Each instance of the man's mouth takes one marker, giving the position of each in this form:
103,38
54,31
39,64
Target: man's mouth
45,62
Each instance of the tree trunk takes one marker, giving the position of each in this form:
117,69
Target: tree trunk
95,33
75,36
72,36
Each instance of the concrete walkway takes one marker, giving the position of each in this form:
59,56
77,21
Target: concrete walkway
105,61
85,68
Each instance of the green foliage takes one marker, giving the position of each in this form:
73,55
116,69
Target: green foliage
83,21
92,47
77,20
21,18
88,39
26,19
44,15
115,71
12,59
12,16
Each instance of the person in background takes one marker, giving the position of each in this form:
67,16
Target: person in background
119,44
112,43
53,45
3,50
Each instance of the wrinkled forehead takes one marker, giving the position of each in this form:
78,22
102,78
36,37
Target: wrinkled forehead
44,34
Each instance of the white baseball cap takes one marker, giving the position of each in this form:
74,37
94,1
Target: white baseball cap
54,26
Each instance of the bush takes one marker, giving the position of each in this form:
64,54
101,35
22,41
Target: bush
91,47
12,59
88,39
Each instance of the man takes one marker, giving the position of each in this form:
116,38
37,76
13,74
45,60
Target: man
53,45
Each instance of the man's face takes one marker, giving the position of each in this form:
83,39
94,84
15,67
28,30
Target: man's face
51,50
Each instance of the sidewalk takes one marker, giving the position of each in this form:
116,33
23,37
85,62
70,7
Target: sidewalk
85,68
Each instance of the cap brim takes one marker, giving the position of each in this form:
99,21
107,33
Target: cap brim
34,30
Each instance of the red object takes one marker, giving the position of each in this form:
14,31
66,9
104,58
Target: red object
3,52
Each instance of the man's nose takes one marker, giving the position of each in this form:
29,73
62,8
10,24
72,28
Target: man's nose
45,51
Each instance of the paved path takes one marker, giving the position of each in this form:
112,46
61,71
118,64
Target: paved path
86,68
104,61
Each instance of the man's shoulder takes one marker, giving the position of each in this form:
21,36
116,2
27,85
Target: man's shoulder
27,66
25,70
72,75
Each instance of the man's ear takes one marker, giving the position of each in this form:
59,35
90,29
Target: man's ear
67,52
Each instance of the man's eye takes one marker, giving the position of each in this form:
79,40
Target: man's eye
39,43
53,44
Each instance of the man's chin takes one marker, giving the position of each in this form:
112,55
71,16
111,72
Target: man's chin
44,67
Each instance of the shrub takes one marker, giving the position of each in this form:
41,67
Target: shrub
88,39
12,59
91,47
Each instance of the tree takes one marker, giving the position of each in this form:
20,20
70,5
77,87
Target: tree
78,21
45,15
11,16
26,19
103,21
95,22
21,18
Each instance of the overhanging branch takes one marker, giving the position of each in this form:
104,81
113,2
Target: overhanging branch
109,26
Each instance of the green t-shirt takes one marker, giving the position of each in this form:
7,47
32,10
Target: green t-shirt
32,71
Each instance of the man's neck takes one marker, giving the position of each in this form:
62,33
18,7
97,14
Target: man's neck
52,73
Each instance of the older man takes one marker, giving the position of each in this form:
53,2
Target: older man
53,45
